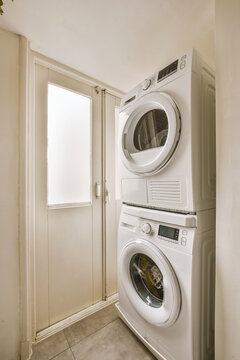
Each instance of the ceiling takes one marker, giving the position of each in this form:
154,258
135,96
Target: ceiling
117,42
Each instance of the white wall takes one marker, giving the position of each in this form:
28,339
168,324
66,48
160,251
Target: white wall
228,179
9,251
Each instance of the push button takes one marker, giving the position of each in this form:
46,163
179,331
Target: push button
182,64
183,241
184,232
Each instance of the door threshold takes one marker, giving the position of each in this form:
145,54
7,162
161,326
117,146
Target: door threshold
63,324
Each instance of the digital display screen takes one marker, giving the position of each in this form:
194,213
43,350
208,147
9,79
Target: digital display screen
168,70
168,232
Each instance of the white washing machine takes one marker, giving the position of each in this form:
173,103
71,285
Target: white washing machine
166,281
167,138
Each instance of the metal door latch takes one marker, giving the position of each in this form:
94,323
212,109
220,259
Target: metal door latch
98,190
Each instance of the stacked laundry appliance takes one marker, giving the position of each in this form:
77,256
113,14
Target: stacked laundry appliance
166,241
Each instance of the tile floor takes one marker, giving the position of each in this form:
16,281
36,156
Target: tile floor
101,336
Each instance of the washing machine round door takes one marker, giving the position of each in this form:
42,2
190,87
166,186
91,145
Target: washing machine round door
150,283
150,134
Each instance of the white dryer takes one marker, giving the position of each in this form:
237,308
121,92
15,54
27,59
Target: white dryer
166,281
167,138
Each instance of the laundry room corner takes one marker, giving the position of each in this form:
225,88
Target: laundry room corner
120,180
227,55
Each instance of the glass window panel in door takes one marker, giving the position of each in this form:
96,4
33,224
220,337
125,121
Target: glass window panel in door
69,147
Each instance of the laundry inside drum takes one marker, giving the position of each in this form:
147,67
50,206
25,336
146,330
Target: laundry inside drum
151,130
147,280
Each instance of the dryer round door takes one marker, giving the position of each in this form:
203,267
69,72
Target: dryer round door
150,283
150,134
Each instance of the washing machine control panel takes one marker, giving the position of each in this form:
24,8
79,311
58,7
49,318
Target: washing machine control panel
167,234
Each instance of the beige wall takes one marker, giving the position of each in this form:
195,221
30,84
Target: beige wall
9,252
228,180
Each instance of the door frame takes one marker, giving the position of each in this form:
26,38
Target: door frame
28,59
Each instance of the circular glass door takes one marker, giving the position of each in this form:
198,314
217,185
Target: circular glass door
150,134
151,130
150,282
147,280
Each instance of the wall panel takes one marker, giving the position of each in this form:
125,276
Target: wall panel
9,148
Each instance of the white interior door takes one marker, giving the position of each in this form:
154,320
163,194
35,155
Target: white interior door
113,202
68,157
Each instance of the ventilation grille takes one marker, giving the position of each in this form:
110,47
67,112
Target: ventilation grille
165,191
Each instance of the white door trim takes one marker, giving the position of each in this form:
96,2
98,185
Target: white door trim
74,74
26,198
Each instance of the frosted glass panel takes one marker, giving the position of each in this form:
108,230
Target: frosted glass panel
69,142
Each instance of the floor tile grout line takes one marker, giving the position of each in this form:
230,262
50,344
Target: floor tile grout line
52,358
135,337
66,338
94,332
69,345
72,353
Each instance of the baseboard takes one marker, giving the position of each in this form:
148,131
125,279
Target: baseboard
55,328
26,350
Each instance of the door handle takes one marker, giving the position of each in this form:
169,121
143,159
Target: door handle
107,196
98,190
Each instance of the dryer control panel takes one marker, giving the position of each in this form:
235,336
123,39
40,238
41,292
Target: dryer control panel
167,71
155,81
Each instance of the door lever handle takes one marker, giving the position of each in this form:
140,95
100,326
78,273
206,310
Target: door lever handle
98,190
107,196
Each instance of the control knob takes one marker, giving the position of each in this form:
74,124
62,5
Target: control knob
146,228
146,84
